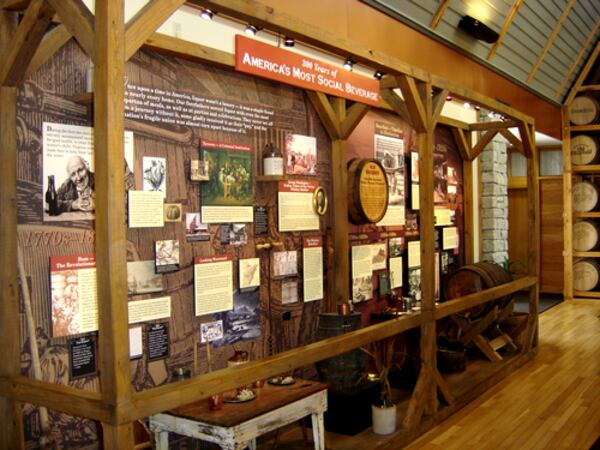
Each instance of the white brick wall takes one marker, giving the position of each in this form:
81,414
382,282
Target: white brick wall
494,200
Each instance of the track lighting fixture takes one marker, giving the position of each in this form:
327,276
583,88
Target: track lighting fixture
467,105
449,97
288,41
378,74
349,64
207,14
251,30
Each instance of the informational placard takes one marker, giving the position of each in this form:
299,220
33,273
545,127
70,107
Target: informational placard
414,254
74,294
211,331
228,194
443,216
449,238
82,357
157,341
301,152
151,309
142,278
396,272
389,151
68,160
275,63
362,273
415,200
249,270
312,266
295,210
145,209
213,284
289,292
136,346
261,220
379,256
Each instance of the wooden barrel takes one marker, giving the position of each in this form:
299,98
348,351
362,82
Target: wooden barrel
586,274
367,191
585,196
586,235
584,110
477,277
584,150
344,371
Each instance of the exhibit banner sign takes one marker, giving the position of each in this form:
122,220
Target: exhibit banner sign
264,60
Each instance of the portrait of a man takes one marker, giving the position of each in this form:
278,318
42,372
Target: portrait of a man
320,201
76,193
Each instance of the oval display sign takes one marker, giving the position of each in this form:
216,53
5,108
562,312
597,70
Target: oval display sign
367,191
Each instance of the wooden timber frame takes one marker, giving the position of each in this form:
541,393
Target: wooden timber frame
109,42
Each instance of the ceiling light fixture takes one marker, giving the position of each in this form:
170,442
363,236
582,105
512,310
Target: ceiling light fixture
207,14
288,41
378,74
449,97
349,64
467,105
251,30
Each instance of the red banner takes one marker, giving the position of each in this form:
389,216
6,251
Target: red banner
264,60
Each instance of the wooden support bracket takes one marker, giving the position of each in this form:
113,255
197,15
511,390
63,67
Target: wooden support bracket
396,104
443,388
414,101
483,141
515,141
53,41
78,19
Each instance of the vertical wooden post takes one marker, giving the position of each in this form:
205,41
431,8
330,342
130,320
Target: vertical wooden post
427,236
11,427
533,204
109,67
567,206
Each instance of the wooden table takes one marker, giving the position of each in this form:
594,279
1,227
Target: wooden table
237,425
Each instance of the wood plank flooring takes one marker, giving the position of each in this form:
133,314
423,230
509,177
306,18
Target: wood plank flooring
552,402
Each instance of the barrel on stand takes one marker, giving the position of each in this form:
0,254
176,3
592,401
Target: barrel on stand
584,110
586,196
584,150
473,278
344,371
586,235
586,274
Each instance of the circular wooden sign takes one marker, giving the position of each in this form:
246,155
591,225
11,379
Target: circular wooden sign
367,191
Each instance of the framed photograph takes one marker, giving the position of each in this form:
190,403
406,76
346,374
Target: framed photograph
195,230
211,331
320,201
289,292
362,288
414,283
198,170
395,247
234,234
414,166
249,271
284,264
173,212
379,256
155,174
301,152
166,256
142,278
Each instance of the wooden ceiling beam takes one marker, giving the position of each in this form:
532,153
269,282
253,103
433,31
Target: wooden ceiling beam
514,140
439,13
557,28
14,5
583,74
397,105
582,51
78,19
28,36
505,27
495,125
53,41
188,50
437,102
462,143
326,113
527,138
483,141
414,101
354,115
146,22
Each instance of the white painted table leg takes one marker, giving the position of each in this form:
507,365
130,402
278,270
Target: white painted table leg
162,440
318,431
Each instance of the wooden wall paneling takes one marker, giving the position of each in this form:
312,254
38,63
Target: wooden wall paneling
146,22
518,219
567,205
78,19
25,42
551,236
109,71
11,427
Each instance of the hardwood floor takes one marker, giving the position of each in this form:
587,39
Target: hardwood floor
551,402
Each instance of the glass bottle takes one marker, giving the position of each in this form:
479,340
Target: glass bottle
272,160
52,197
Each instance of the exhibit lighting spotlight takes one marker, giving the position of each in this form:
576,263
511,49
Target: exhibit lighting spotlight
449,97
349,64
477,29
378,74
207,14
251,30
289,42
467,105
